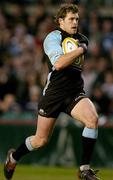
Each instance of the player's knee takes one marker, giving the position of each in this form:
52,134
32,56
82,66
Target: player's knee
39,141
92,121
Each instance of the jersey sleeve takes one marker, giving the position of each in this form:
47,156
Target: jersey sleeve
52,46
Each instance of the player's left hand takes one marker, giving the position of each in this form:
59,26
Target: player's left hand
84,46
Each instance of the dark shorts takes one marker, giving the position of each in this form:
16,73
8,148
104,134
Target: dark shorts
51,106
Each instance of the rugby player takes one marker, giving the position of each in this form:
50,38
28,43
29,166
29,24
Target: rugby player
63,92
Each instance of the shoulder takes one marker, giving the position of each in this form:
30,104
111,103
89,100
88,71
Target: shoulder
52,42
54,35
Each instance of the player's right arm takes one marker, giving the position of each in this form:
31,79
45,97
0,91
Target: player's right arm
53,49
68,58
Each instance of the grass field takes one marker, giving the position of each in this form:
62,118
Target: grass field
51,173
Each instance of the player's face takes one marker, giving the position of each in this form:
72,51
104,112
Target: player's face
70,23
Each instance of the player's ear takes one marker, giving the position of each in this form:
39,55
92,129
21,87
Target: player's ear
60,21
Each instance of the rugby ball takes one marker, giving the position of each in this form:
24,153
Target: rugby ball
69,44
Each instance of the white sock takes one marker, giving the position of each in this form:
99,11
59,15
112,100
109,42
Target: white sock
84,167
28,144
12,159
90,133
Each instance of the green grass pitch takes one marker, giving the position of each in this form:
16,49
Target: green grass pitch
51,173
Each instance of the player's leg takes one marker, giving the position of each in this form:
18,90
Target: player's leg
44,130
85,112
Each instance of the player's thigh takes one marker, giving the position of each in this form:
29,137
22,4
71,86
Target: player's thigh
85,112
45,126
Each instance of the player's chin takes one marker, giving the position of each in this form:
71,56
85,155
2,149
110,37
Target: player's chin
73,31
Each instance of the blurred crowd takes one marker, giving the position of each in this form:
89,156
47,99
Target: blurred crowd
23,68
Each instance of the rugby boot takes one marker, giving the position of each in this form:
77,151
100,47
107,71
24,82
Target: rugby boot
89,174
9,167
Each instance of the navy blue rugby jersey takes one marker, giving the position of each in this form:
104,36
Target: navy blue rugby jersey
67,80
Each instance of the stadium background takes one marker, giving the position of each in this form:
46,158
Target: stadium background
23,26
